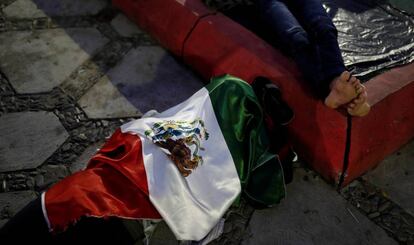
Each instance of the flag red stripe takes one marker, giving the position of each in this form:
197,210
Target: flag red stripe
114,184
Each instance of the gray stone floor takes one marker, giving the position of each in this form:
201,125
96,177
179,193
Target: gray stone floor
395,176
313,213
12,202
37,61
32,136
73,71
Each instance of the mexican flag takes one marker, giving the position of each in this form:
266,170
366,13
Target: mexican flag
186,165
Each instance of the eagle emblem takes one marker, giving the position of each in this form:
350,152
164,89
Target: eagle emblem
182,140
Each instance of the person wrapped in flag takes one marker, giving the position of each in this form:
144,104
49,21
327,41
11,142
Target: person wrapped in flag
186,165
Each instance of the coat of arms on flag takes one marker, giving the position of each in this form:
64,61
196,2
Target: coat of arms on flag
182,140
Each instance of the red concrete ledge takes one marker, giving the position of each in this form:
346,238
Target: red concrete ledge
389,125
169,22
319,134
213,44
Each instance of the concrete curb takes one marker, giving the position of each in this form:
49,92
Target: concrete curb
213,44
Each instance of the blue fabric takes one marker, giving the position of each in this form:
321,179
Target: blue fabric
305,30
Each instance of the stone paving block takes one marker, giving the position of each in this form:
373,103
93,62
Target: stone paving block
150,78
83,159
23,9
163,235
37,61
104,100
28,139
43,8
12,202
313,213
54,173
395,176
124,26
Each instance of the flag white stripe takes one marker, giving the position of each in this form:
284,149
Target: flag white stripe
191,206
44,211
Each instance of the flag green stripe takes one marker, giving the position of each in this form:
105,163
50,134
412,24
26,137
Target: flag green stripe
240,118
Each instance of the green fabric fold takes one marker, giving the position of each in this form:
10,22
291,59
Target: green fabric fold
241,121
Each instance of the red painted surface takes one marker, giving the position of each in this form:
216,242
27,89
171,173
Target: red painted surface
214,45
389,82
389,125
169,22
318,133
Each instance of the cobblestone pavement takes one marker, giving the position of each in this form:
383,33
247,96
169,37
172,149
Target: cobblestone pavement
73,71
